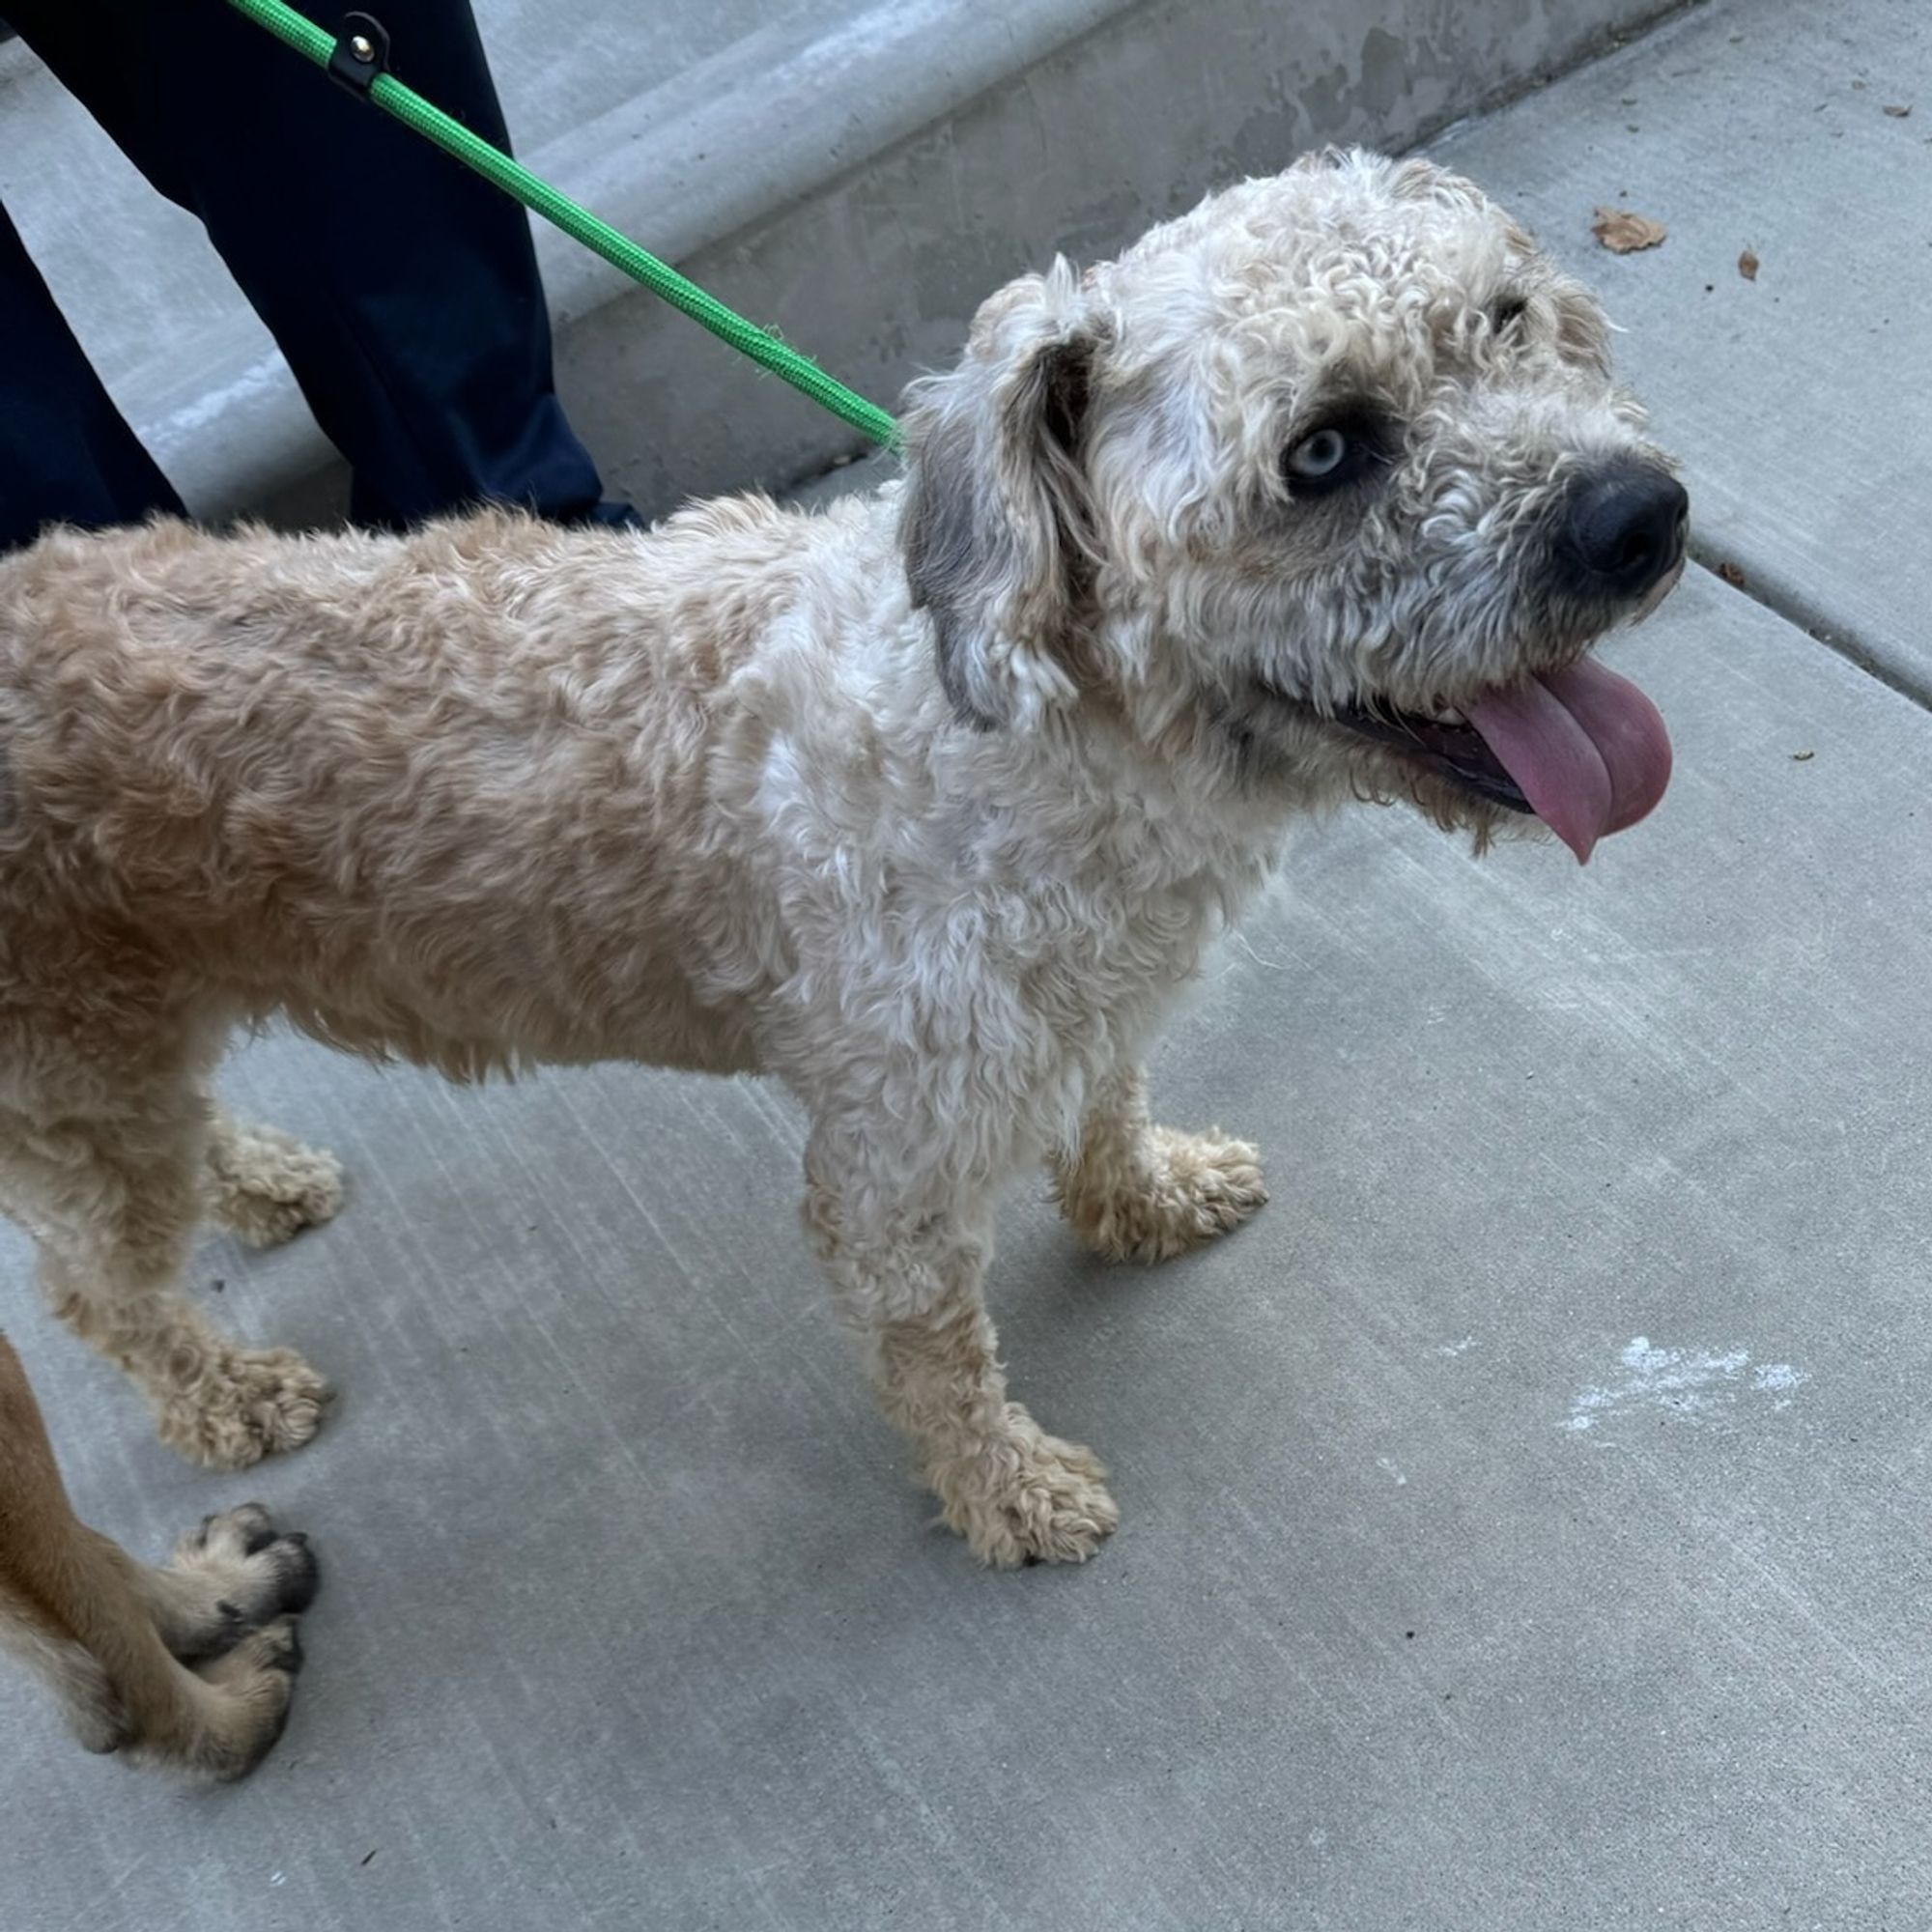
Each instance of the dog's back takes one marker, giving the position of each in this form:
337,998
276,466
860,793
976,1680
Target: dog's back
423,793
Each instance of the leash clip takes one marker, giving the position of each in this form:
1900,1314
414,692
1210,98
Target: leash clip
361,53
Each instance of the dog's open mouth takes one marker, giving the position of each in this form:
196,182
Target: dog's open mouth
1582,749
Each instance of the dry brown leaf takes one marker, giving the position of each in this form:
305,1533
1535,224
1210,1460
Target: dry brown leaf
1899,113
1623,231
1732,574
1747,266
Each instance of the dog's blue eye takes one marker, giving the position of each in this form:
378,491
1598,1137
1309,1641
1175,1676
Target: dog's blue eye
1346,450
1319,455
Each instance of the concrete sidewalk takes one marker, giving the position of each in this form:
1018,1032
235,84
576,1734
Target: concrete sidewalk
1525,1517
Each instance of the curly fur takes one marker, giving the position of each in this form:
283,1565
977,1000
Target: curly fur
928,805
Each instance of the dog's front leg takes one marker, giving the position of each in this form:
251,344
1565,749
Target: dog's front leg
909,1288
1141,1193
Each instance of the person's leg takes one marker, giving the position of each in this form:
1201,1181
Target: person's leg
66,454
401,288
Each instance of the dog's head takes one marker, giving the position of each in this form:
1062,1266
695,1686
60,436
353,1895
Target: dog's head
1326,481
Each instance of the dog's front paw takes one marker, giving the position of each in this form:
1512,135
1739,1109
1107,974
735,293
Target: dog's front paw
248,1403
1190,1188
236,1571
1027,1497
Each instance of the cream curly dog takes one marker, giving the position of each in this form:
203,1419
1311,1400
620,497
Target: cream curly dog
928,804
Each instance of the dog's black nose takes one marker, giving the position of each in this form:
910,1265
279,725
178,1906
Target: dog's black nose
1623,532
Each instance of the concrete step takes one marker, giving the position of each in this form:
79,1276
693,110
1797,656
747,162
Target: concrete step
859,176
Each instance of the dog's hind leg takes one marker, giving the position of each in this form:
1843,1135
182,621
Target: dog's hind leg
111,1193
1141,1193
107,1633
264,1185
910,1290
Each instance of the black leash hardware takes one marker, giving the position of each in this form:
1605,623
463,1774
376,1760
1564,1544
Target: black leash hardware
361,53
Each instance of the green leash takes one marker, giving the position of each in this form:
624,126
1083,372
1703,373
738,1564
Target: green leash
359,61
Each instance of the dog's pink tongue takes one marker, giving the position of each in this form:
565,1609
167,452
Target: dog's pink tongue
1587,748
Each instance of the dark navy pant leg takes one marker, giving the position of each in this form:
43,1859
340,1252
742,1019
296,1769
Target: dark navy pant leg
401,288
65,453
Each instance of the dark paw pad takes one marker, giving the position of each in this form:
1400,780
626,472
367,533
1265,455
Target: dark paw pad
299,1573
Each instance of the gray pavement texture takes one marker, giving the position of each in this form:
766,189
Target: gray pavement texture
1801,400
1524,1516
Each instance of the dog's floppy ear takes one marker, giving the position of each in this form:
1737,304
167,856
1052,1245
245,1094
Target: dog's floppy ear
996,527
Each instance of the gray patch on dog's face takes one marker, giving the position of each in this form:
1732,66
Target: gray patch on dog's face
995,528
947,540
